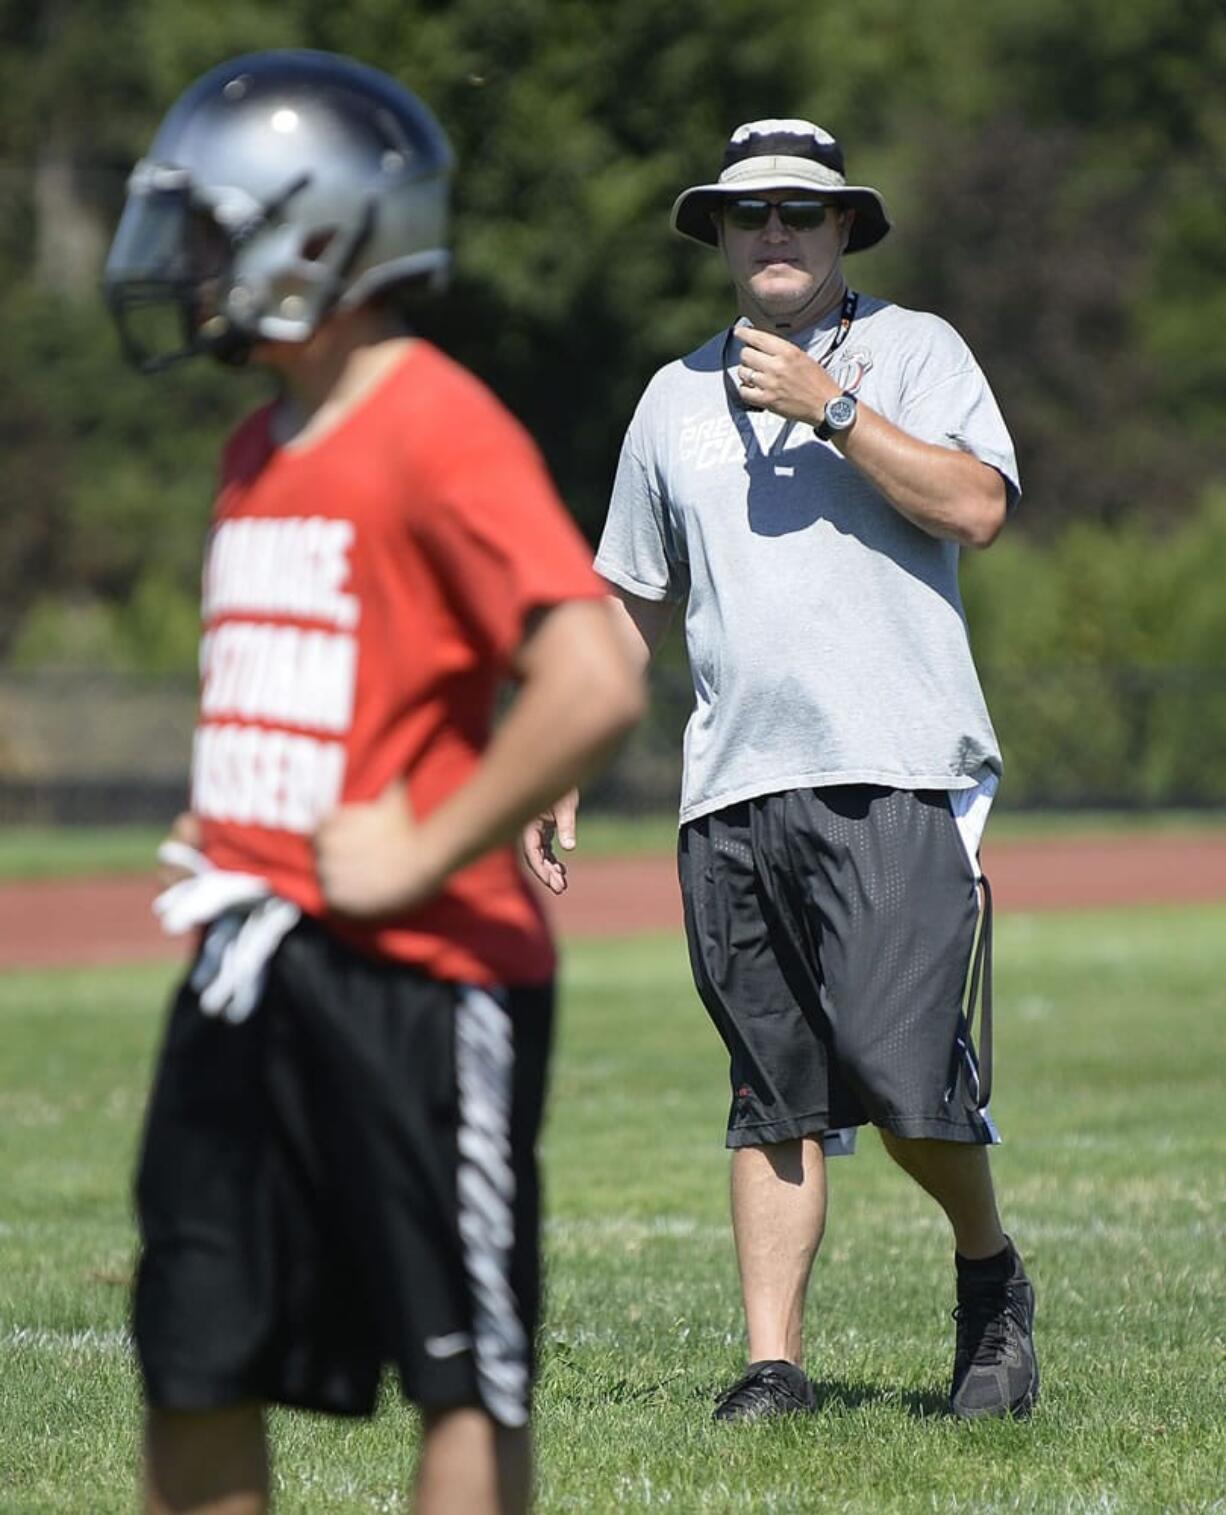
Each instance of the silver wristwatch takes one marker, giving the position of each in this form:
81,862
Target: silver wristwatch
838,416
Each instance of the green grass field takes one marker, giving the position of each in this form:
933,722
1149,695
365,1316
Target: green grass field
1110,1096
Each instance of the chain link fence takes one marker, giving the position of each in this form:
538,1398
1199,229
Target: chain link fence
93,748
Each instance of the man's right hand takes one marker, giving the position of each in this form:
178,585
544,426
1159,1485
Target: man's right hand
557,824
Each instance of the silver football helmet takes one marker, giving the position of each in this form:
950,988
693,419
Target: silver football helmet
281,186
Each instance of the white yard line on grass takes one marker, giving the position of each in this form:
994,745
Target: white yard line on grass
63,1343
625,1228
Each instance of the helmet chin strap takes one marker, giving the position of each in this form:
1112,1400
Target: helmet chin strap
221,339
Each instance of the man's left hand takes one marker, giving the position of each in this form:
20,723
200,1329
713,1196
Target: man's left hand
779,376
368,858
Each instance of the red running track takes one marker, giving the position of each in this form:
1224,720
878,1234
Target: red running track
94,921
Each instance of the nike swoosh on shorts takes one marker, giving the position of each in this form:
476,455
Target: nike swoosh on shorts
448,1346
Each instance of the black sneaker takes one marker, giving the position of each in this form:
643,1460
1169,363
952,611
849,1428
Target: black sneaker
767,1389
996,1371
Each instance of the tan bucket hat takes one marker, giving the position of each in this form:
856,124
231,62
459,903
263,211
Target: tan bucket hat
781,155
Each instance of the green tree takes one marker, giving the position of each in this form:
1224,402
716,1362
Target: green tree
1053,167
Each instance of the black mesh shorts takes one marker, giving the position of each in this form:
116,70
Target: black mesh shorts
343,1181
830,934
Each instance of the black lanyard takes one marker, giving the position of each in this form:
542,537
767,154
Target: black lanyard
736,402
846,316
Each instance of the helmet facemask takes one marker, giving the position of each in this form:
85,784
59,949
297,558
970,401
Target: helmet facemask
197,270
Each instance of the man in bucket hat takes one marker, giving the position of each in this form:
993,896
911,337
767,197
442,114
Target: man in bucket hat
804,482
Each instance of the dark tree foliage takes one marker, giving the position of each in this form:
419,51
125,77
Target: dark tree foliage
1057,323
1053,167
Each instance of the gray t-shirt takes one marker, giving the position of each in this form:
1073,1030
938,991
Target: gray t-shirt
826,637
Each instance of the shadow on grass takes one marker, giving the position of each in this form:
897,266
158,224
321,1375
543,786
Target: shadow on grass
843,1394
561,1367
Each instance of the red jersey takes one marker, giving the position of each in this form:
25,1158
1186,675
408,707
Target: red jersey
363,598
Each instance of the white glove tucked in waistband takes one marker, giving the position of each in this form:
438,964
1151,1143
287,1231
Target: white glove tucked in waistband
245,922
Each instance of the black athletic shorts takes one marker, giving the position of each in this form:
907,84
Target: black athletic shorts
345,1180
830,934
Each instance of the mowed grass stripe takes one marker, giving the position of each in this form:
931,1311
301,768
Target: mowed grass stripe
1110,1100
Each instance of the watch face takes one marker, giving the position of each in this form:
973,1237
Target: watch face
840,412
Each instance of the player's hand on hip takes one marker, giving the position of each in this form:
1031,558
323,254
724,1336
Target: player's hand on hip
779,376
366,860
557,824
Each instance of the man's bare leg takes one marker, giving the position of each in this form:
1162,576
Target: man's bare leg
996,1369
778,1217
959,1178
472,1466
209,1462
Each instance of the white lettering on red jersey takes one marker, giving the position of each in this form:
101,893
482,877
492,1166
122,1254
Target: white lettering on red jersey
251,777
280,674
295,566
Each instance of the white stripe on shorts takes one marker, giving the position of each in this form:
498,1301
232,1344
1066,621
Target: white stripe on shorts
970,809
485,1183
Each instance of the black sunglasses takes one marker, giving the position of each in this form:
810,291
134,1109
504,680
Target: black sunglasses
798,215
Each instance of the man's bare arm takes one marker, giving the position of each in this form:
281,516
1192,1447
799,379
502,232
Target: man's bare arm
944,492
641,625
580,692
